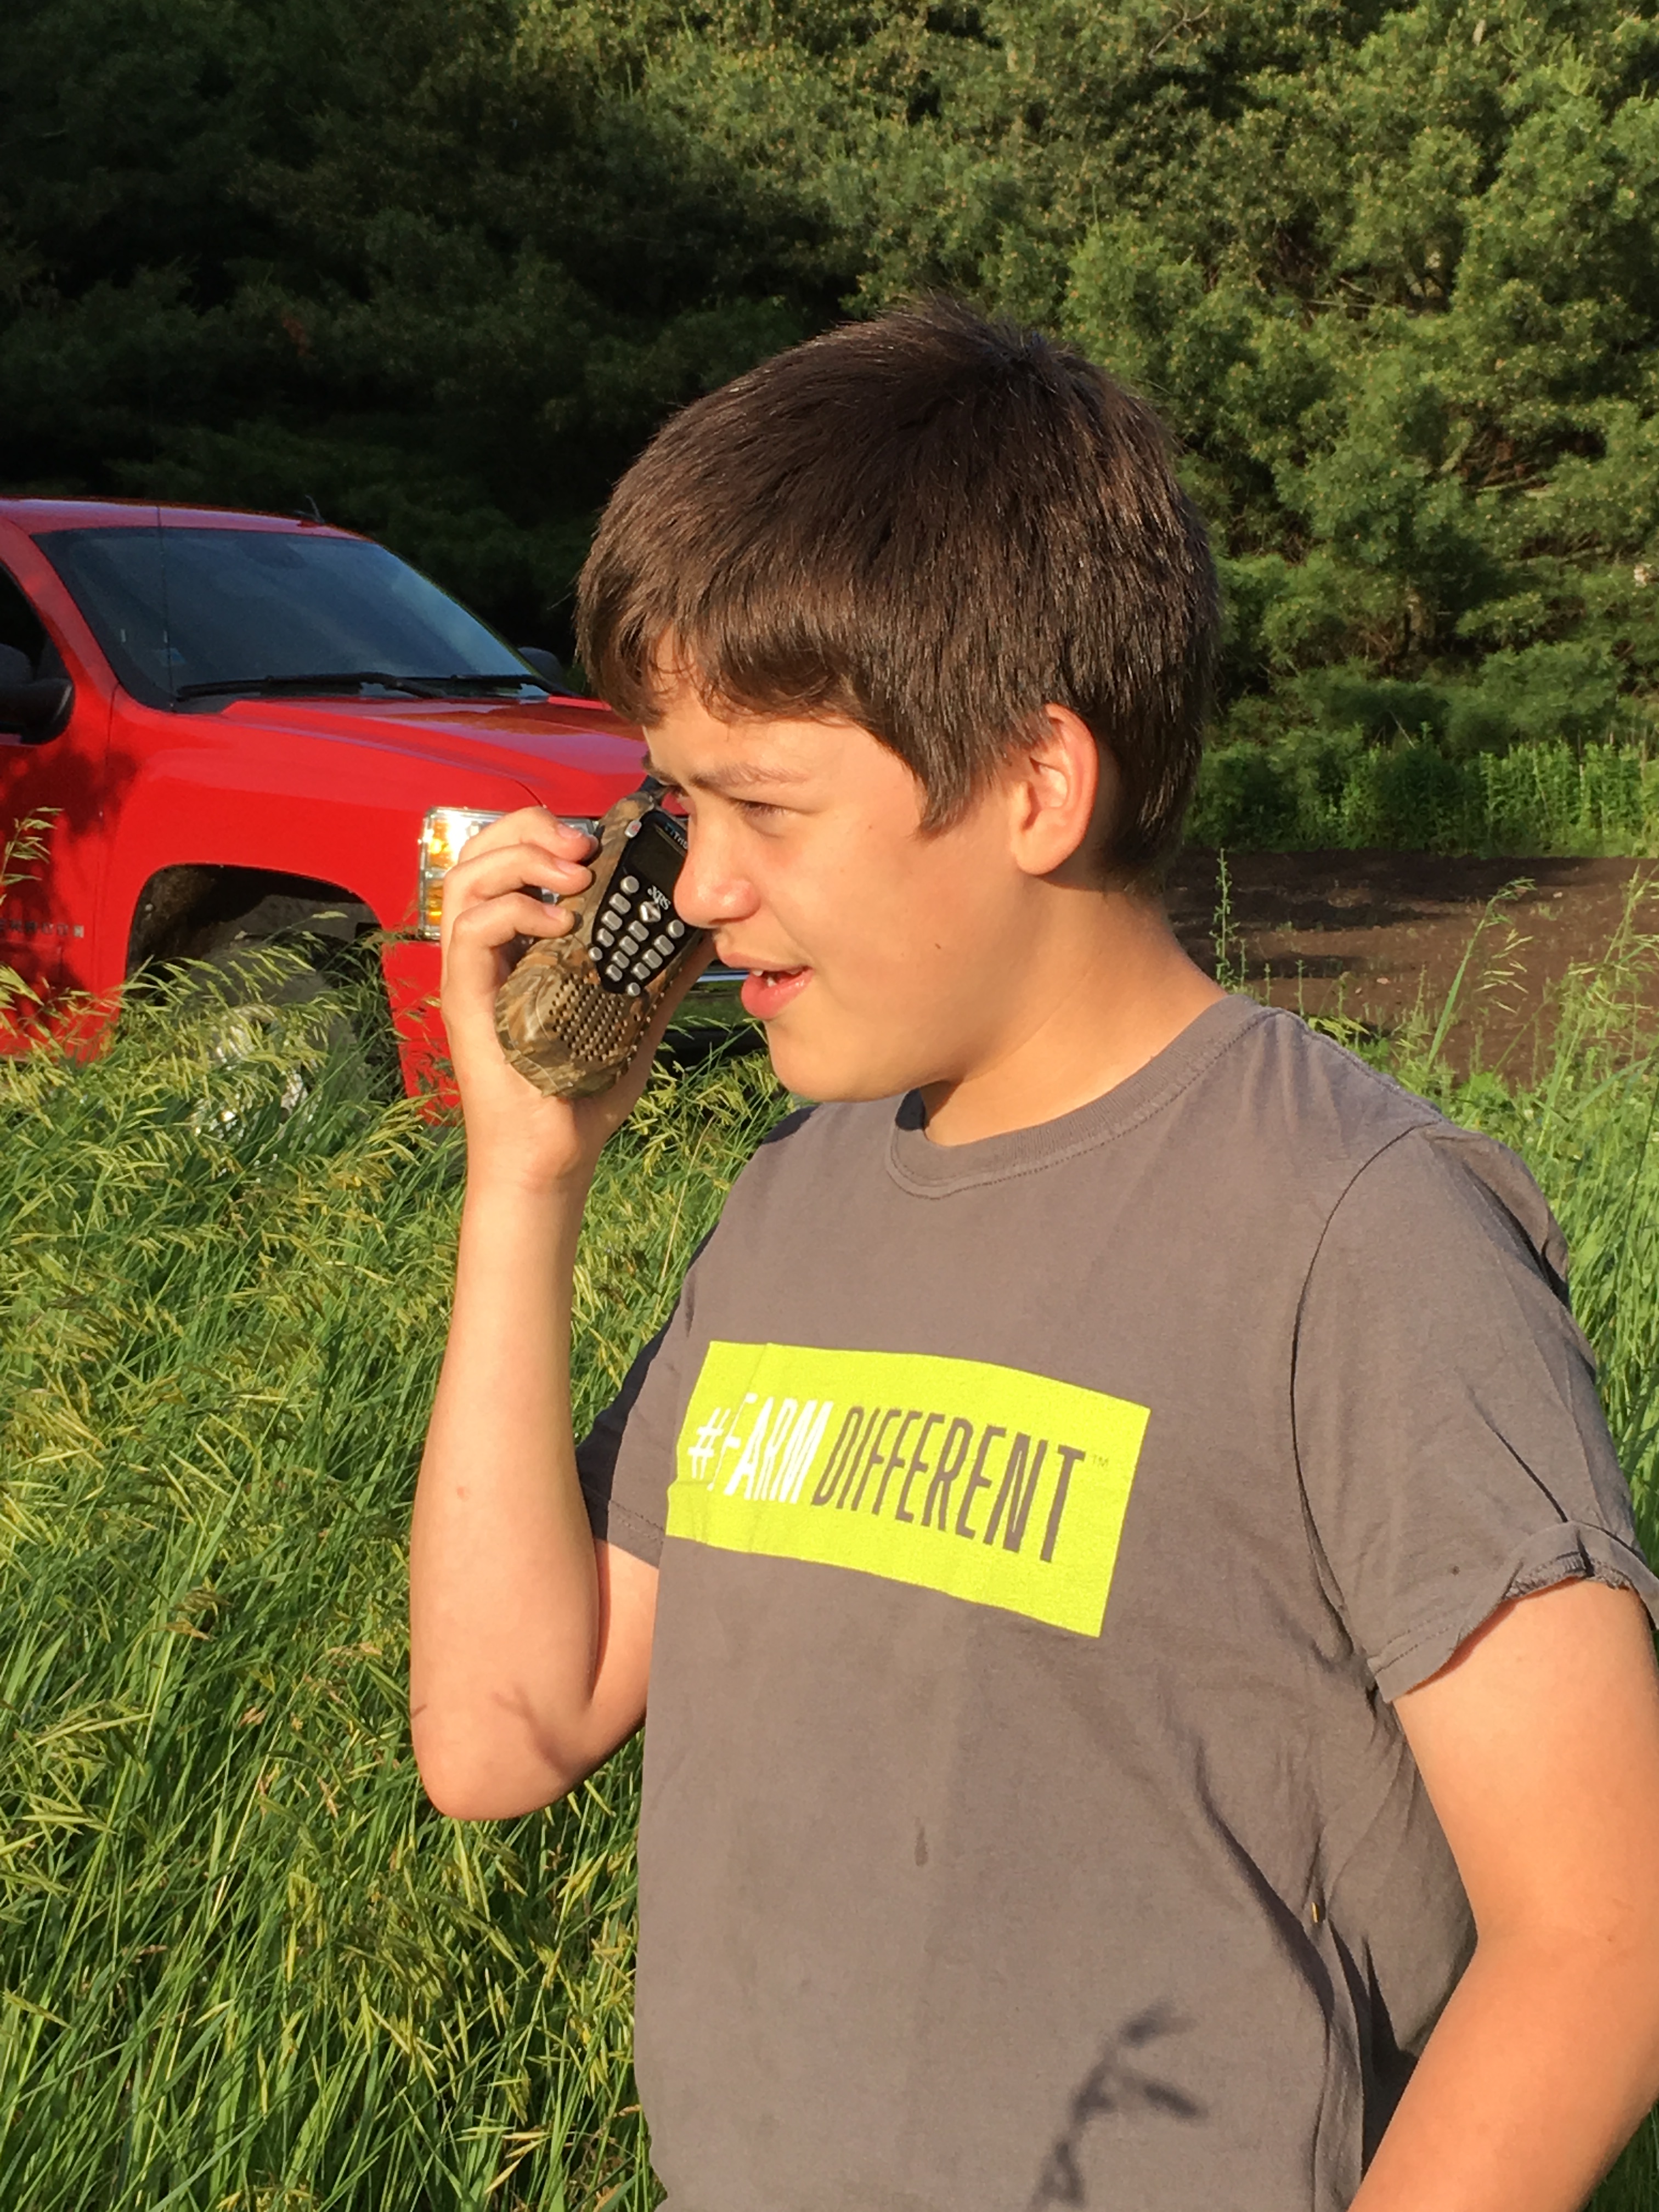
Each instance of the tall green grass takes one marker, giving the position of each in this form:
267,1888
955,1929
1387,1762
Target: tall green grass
243,1967
241,1963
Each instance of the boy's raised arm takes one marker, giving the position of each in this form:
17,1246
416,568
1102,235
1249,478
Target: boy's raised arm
1539,1745
530,1642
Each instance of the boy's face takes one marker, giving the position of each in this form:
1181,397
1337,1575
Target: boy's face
880,959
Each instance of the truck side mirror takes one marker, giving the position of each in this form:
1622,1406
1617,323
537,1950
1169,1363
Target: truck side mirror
546,665
36,708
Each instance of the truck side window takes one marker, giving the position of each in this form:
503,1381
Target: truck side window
22,628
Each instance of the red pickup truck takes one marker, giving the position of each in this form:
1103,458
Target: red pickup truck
241,723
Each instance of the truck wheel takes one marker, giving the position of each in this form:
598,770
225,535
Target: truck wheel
335,940
222,918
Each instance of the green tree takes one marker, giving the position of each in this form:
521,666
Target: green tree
1390,270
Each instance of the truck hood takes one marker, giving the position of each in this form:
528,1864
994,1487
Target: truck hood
537,741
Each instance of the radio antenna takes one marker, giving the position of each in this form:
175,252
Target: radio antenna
166,619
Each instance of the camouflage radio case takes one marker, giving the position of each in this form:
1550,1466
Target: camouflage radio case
571,1014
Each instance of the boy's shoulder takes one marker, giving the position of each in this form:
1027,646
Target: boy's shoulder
1259,1073
1360,1140
840,1144
811,1133
1248,1105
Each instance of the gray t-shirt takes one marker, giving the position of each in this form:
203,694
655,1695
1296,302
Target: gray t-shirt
1045,1525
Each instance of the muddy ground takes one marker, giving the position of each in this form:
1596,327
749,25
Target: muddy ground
1373,935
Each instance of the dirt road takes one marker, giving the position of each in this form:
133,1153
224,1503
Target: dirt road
1370,934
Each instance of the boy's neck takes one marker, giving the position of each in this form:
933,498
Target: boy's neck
1102,996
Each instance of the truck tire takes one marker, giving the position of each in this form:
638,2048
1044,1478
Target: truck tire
219,917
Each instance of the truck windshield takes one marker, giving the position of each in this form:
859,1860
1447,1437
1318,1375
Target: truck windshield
188,613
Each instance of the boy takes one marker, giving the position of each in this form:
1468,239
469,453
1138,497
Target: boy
1130,1569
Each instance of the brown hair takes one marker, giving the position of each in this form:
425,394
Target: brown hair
934,525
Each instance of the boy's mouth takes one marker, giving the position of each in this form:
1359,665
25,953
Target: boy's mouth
768,991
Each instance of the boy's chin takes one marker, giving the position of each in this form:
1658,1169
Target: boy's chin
824,1072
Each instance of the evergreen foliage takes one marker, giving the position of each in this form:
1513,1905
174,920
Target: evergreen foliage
1391,272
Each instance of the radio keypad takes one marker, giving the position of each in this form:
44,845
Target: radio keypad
637,932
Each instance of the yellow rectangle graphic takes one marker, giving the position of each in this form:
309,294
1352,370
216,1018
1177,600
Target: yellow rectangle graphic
986,1483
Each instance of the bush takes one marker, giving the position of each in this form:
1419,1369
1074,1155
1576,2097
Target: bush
1316,789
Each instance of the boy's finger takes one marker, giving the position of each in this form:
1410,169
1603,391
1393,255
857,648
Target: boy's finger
496,921
531,825
509,869
483,944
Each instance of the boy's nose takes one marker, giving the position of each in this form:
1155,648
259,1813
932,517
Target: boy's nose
707,894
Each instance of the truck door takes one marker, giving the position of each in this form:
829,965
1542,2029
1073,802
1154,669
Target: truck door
46,915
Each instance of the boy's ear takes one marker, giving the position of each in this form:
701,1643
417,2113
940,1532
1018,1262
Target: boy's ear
1062,788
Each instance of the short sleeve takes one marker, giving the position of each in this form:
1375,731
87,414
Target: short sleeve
626,1460
1452,1450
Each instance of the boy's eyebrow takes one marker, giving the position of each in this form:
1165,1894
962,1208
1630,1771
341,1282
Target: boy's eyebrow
736,775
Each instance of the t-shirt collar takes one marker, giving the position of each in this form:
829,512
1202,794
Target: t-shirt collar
932,1170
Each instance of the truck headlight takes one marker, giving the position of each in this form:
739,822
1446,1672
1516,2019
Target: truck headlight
443,833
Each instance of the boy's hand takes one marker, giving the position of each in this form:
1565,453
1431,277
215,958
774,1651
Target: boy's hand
514,1134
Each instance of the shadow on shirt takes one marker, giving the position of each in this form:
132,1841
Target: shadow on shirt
1119,2081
